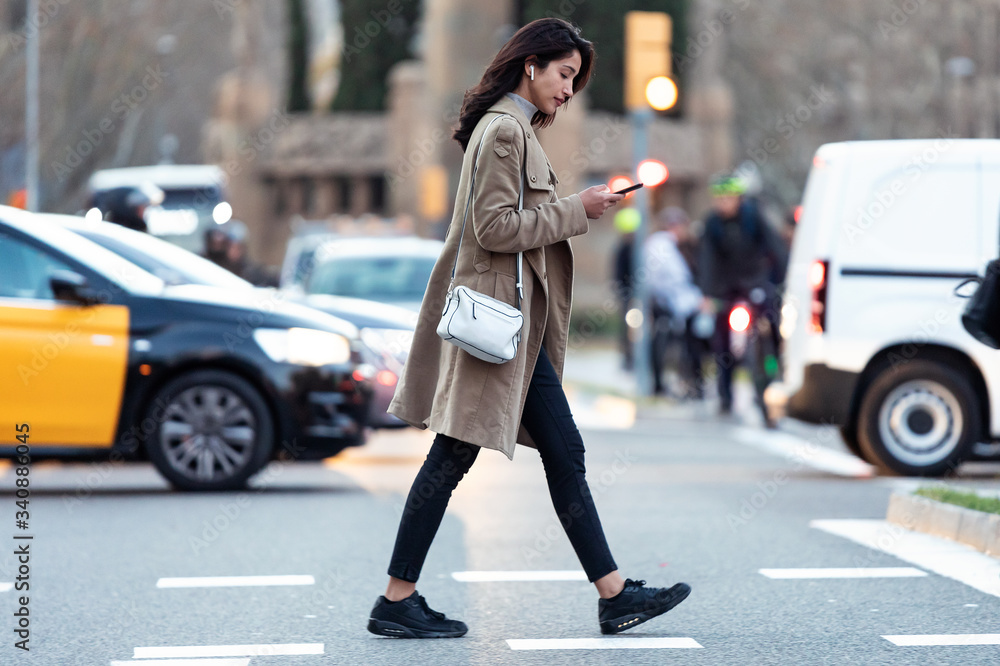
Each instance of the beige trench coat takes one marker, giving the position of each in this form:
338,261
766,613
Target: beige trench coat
445,388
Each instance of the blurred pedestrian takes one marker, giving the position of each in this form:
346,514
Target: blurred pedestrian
675,302
238,260
473,404
127,205
216,246
739,253
627,222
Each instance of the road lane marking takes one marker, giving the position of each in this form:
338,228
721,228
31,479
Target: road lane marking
947,558
259,650
855,572
235,581
516,576
945,639
803,452
600,643
188,662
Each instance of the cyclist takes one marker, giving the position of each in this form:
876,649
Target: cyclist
740,253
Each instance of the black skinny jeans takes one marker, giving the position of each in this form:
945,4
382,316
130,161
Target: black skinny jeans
548,420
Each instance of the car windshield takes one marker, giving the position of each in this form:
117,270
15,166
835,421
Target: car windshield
384,279
168,262
200,198
127,275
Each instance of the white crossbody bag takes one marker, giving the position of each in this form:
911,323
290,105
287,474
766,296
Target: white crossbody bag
487,328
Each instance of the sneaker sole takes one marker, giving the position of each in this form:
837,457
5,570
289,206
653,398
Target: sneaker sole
385,628
620,624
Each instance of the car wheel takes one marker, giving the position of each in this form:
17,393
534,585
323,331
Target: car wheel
213,431
918,420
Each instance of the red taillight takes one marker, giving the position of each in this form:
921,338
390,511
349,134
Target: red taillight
817,282
386,378
739,319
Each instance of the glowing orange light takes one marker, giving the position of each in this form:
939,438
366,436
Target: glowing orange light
386,378
652,173
620,183
817,274
739,319
145,369
797,214
661,93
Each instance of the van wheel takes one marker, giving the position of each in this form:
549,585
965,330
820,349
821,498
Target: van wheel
213,431
849,433
918,420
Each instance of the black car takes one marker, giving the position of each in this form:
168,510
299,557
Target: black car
101,358
386,330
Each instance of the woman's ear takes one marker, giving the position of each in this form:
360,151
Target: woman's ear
530,65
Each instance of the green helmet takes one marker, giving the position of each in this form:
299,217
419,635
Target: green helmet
726,185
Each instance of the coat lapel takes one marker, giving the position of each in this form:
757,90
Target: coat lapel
534,258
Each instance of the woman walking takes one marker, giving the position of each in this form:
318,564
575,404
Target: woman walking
473,404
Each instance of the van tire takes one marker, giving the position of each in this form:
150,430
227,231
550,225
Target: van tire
849,433
919,419
220,413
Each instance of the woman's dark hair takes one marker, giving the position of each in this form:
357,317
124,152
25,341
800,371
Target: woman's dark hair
547,39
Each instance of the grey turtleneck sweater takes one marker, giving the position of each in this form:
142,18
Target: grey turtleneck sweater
527,107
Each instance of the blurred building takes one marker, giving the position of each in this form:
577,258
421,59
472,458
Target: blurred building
135,82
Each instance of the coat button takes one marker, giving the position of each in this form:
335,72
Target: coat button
528,134
532,179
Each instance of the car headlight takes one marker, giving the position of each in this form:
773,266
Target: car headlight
388,342
303,346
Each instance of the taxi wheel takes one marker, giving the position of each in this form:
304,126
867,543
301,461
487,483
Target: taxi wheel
213,431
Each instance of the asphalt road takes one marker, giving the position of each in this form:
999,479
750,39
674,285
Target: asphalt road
682,499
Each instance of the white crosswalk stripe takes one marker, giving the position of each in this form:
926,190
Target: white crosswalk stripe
944,639
618,643
855,572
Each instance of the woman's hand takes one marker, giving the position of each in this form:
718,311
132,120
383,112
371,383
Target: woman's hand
598,199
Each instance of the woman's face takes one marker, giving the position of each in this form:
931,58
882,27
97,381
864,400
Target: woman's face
553,86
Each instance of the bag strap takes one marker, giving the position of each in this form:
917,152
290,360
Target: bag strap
472,188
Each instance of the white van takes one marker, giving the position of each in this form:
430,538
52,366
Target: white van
870,320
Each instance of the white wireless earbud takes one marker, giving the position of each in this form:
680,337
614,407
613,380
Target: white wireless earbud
532,72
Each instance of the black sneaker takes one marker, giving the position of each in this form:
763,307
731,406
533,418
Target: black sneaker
412,618
636,604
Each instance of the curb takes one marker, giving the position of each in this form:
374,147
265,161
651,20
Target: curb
921,514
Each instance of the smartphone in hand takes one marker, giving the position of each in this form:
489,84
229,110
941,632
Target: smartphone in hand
628,189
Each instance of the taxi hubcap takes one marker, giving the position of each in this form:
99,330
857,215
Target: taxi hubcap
208,433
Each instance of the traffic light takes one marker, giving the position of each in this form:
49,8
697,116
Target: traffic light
647,54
